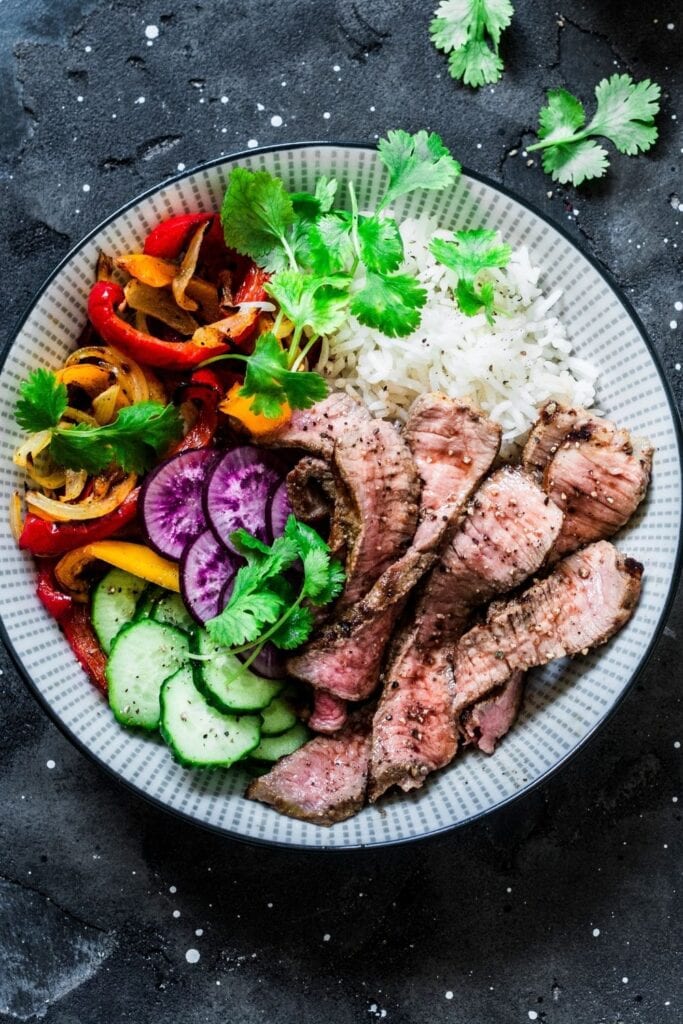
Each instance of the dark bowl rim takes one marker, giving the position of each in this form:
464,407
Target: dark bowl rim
656,633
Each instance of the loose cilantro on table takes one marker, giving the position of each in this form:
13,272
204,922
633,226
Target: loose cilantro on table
625,115
470,31
264,606
327,263
467,255
134,441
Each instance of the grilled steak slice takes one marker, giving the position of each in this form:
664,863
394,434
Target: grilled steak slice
453,445
325,780
505,536
490,719
347,655
585,601
316,429
311,490
379,475
329,713
598,482
555,424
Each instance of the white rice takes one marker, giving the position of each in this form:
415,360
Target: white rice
509,369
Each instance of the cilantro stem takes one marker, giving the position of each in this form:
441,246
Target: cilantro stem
290,255
258,644
585,133
293,350
304,352
354,223
278,322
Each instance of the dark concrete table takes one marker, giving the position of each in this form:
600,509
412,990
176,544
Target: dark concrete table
564,908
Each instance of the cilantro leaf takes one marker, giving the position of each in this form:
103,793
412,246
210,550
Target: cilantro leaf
331,244
415,161
269,381
472,301
311,206
308,300
42,401
295,630
256,213
244,618
470,252
625,115
389,302
381,246
138,435
470,30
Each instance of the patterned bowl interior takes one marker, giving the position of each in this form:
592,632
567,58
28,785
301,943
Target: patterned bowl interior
564,703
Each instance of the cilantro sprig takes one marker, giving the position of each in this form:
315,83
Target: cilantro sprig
625,115
134,441
327,263
470,31
467,255
264,606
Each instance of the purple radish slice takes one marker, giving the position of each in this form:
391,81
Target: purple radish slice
269,662
171,501
206,569
279,510
236,493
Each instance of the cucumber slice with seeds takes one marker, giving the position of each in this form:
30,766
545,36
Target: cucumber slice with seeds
150,595
114,604
143,654
272,748
170,608
278,717
226,683
199,735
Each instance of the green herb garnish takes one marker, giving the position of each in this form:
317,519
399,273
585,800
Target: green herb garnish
134,441
625,115
470,31
467,255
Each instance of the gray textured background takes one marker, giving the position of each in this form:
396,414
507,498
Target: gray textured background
563,908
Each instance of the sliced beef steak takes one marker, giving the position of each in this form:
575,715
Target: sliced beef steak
311,490
505,536
325,780
584,602
347,655
453,445
378,473
555,423
329,713
487,721
598,482
316,429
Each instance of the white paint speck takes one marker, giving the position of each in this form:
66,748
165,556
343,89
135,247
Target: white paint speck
172,888
181,167
326,937
79,99
335,67
677,366
199,932
372,110
671,26
252,143
259,106
270,906
596,932
176,914
152,32
327,115
673,324
533,1015
674,799
86,188
224,99
88,49
50,764
449,994
140,100
625,980
678,306
276,120
677,744
192,956
509,889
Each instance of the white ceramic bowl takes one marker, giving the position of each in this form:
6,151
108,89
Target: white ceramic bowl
565,703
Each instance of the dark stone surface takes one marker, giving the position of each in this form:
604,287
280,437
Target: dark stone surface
503,915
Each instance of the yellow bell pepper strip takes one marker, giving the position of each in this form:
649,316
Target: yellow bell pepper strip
239,408
137,559
150,270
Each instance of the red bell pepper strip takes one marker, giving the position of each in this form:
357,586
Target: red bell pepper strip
74,621
45,539
201,434
251,288
168,239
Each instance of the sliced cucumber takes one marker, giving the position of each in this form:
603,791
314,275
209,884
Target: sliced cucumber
226,683
143,654
272,748
151,594
278,717
169,608
114,603
198,734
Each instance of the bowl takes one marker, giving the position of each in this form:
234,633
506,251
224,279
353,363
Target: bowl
565,703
